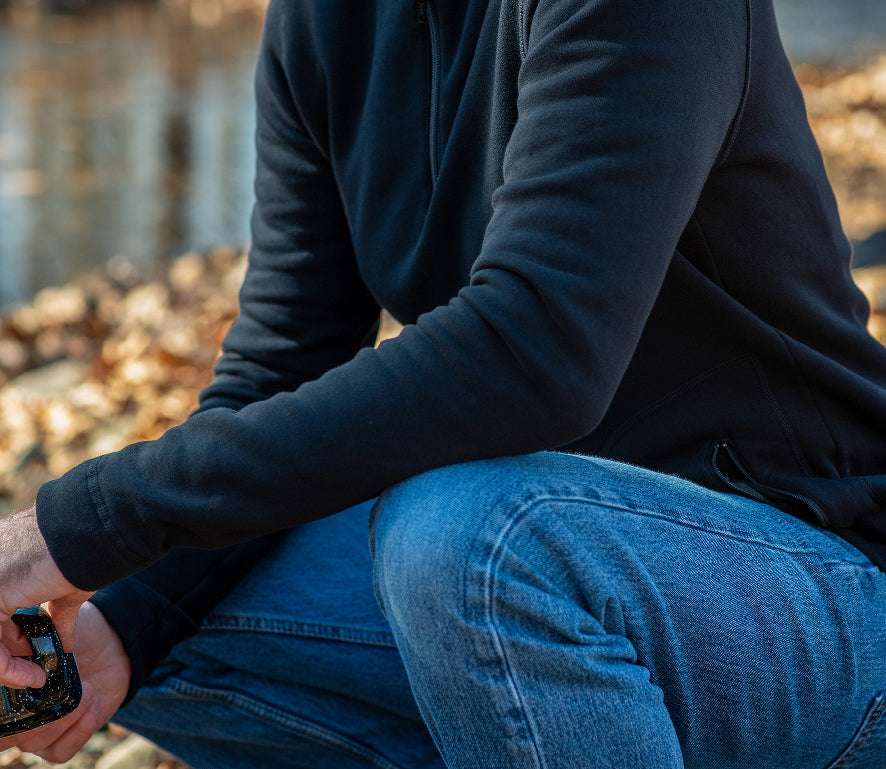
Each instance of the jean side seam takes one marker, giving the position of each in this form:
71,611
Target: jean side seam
489,602
283,719
344,634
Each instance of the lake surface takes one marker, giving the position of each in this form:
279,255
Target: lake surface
126,132
825,31
126,128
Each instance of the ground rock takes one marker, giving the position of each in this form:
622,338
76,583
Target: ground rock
134,752
55,380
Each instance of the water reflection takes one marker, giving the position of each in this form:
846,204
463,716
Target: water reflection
825,31
126,127
125,132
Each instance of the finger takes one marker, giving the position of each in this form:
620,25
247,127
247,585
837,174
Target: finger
14,640
79,730
38,739
15,671
44,736
16,740
19,673
43,739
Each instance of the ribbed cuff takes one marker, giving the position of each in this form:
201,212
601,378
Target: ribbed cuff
79,532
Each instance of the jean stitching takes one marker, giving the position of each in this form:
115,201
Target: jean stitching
283,719
497,552
252,624
538,500
489,605
871,722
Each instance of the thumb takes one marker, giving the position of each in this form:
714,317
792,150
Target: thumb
17,672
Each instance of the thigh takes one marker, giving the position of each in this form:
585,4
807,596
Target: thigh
296,668
585,586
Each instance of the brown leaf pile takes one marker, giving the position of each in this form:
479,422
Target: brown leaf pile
847,111
92,366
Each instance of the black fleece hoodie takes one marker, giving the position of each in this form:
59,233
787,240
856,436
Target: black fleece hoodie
607,229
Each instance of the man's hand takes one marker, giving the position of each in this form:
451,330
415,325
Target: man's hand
29,576
104,671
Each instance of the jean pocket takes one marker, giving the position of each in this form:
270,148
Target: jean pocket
867,748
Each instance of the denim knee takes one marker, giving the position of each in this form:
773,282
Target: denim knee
420,531
434,533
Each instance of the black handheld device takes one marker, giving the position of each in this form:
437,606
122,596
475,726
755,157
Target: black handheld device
24,709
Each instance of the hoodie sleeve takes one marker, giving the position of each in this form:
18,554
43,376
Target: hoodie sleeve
623,110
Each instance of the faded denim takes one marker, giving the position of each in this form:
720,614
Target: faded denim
552,611
296,668
570,613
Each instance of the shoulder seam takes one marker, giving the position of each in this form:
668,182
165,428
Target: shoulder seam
523,32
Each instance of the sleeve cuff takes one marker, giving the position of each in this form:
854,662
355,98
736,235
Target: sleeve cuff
165,604
82,539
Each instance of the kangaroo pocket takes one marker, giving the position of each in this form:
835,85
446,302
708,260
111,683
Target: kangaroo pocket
731,472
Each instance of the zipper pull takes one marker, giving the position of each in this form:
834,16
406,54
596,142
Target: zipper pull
421,11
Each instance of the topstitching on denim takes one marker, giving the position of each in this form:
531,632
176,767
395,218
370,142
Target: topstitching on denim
488,589
689,517
287,627
872,718
281,718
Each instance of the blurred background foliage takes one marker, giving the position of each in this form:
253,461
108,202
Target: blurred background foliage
126,133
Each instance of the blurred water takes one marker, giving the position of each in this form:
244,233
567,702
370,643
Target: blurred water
126,128
832,31
125,133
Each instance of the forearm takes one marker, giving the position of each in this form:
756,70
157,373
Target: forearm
29,576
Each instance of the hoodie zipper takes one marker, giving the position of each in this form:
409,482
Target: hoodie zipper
428,17
748,486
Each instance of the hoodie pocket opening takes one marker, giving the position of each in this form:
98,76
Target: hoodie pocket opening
731,471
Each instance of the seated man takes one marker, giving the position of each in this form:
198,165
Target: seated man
629,451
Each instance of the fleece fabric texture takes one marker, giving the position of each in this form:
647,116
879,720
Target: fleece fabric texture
607,229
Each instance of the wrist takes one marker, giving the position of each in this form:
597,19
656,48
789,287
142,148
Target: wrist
100,646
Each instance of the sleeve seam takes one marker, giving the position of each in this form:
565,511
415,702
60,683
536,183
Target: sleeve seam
101,507
739,114
524,33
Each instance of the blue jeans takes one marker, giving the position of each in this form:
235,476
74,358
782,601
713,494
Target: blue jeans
551,611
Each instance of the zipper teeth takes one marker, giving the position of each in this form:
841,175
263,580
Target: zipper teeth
811,504
745,491
819,513
428,16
